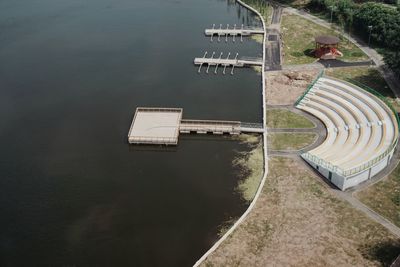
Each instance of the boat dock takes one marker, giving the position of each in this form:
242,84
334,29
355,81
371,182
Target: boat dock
226,62
242,31
162,126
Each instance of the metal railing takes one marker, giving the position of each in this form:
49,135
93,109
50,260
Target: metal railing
309,88
370,163
323,163
252,125
152,140
378,95
255,59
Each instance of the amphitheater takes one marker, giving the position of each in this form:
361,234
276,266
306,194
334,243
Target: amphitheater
362,131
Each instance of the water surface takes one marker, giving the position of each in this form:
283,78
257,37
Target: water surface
72,191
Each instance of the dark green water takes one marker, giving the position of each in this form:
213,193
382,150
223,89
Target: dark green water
72,191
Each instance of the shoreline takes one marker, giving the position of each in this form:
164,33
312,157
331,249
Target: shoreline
265,152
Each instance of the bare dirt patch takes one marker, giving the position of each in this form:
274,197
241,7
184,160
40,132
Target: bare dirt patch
284,87
298,221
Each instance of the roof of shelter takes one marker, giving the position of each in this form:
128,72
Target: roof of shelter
327,39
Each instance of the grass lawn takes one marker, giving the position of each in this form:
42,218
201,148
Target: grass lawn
282,118
384,197
290,141
297,221
298,36
368,76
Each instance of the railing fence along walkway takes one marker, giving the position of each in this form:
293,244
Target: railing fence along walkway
321,73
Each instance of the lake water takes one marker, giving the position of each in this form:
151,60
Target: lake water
72,191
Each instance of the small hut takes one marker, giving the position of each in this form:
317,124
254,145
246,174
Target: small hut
326,47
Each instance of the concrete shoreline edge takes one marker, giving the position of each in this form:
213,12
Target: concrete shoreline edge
265,149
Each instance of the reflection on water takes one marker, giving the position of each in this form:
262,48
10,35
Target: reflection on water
72,191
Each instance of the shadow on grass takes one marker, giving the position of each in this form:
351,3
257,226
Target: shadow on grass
376,83
384,252
309,53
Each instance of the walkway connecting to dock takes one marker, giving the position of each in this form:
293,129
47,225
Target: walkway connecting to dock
242,31
162,126
226,62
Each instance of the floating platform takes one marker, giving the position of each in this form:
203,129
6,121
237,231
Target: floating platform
162,126
155,126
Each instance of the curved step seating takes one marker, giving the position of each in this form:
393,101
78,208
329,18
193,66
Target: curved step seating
358,139
384,114
361,131
349,127
330,127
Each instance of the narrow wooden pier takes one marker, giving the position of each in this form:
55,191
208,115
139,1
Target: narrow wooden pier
162,126
226,62
225,32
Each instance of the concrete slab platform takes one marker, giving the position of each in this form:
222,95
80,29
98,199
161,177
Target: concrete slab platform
155,126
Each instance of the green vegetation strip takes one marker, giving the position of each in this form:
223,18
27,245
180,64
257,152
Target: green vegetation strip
290,141
384,197
309,87
263,7
251,166
298,39
282,118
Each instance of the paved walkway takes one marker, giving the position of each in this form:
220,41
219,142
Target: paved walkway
273,59
388,75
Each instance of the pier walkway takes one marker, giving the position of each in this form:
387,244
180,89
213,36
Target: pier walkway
226,62
243,31
162,126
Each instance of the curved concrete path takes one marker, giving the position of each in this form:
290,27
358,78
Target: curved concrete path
319,129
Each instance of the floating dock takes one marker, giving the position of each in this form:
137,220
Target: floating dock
242,31
226,62
155,126
162,126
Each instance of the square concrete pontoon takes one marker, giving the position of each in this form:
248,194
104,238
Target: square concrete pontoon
155,126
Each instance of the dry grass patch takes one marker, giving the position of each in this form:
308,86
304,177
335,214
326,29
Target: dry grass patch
384,197
297,221
284,87
290,141
298,38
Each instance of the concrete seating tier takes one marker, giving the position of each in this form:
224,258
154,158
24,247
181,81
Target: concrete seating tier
360,130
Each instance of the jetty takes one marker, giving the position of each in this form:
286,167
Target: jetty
226,62
162,126
225,32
